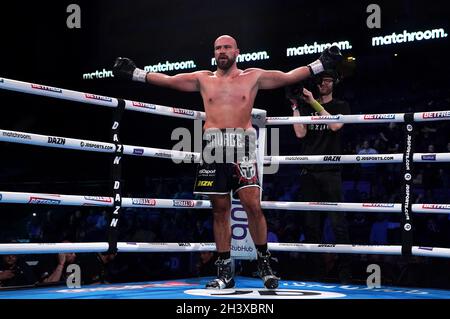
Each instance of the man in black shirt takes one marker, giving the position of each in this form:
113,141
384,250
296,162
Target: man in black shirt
322,182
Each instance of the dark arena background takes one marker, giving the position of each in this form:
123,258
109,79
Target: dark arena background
41,43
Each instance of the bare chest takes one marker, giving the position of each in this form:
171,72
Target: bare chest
237,90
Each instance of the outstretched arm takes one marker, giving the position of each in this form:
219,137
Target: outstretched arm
183,82
329,58
274,79
126,69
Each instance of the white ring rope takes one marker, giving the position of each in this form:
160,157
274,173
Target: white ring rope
128,202
49,91
359,118
130,247
95,146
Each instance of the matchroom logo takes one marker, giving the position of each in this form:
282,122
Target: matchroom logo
249,293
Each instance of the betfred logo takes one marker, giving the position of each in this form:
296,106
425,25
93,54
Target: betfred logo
45,88
183,203
144,201
98,199
436,206
377,205
436,115
143,105
325,117
183,111
379,116
43,201
98,97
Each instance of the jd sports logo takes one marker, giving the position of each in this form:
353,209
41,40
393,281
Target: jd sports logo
248,293
205,183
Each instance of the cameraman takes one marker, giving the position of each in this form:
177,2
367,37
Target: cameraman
322,182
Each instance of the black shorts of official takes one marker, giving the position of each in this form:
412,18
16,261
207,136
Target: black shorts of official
225,176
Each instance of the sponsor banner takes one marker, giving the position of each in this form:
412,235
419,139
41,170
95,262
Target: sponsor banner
332,158
1,196
99,199
17,135
98,97
183,203
379,116
144,105
184,244
205,183
374,158
325,117
297,158
289,245
429,157
138,151
161,154
45,88
436,115
323,203
436,206
183,111
326,246
1,80
143,201
56,140
44,201
407,36
96,146
282,118
377,205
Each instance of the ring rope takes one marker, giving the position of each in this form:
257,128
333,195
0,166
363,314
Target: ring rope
130,247
130,202
59,93
95,146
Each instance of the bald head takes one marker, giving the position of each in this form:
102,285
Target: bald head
225,52
226,39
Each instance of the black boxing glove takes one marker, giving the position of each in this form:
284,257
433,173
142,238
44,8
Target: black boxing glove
329,59
125,68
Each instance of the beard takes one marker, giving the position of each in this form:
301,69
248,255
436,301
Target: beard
225,64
